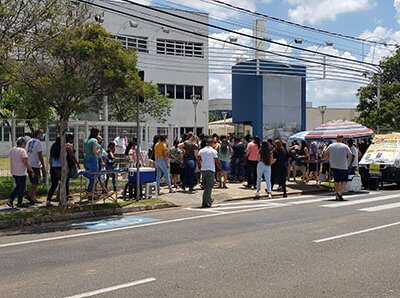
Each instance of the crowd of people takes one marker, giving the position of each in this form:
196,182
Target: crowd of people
208,161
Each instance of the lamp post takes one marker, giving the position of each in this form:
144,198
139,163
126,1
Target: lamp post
195,101
224,114
231,39
322,110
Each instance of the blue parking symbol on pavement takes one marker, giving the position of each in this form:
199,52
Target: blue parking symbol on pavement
115,222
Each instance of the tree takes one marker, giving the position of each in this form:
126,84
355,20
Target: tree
72,72
388,115
213,117
155,105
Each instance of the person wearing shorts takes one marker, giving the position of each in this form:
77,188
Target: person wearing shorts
339,156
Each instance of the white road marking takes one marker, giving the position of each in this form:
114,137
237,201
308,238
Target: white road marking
361,201
357,232
284,200
381,207
130,227
114,288
252,206
212,210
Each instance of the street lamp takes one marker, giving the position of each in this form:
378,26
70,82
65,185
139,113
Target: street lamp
322,110
231,39
296,41
195,101
224,114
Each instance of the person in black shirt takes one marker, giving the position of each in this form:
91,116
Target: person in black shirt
238,160
280,166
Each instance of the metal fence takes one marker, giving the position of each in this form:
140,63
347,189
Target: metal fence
11,129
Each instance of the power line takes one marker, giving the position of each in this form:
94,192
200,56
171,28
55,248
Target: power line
220,40
239,33
340,35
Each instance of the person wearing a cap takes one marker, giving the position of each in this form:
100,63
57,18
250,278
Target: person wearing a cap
339,156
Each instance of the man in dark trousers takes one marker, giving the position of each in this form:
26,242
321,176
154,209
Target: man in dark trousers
208,160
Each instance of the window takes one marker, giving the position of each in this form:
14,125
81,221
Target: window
180,92
198,90
160,47
175,133
6,131
137,43
171,91
161,88
162,131
180,48
188,92
53,133
19,131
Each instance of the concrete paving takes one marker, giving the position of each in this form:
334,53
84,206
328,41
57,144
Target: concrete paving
267,248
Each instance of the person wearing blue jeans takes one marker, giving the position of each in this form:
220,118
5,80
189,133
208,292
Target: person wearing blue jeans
161,160
19,166
91,160
264,168
162,168
189,173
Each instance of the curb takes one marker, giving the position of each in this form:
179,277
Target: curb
7,224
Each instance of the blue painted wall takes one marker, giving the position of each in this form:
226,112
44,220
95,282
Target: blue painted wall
247,91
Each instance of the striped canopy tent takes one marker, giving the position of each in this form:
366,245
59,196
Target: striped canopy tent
348,129
300,136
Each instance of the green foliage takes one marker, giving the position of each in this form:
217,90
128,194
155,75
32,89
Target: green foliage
155,105
388,115
213,117
7,186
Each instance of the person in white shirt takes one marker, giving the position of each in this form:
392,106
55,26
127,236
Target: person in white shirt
121,142
34,149
18,165
354,157
207,160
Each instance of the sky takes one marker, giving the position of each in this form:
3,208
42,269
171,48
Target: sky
377,20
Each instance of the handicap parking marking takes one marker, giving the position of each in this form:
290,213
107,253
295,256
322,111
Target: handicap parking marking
114,222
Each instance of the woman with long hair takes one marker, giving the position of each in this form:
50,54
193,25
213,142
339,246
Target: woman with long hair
264,168
176,159
55,169
280,166
224,155
304,155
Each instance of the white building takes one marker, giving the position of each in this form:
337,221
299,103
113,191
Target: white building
175,60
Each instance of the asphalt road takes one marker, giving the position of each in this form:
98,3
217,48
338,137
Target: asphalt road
308,246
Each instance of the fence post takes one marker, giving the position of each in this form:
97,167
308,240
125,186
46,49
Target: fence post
47,140
76,140
13,131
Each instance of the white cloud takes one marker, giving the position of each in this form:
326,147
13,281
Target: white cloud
315,11
396,4
222,11
375,53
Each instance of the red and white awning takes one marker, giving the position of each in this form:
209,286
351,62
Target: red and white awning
331,130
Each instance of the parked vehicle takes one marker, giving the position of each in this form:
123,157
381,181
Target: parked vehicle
381,162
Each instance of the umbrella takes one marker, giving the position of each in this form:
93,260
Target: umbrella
300,136
348,129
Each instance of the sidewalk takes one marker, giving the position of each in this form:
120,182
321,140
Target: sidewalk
236,191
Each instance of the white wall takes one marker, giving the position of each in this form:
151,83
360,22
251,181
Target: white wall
281,105
167,69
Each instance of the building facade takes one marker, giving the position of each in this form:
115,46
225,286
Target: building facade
176,61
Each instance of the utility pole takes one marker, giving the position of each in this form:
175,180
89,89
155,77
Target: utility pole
378,97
